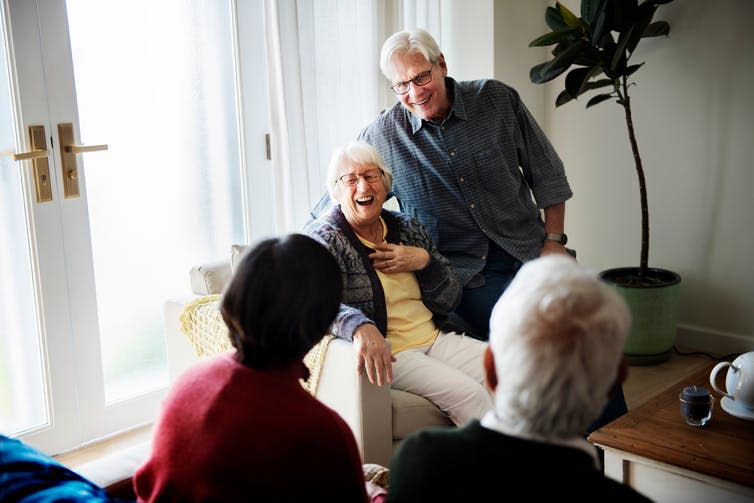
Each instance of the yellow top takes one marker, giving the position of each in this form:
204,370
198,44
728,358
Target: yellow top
409,322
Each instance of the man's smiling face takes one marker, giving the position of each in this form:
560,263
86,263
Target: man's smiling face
430,101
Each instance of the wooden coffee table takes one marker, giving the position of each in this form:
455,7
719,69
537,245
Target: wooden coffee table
653,450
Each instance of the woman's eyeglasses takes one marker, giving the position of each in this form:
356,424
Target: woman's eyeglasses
351,179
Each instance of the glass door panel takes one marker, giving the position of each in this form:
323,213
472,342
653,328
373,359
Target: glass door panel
22,390
167,193
84,277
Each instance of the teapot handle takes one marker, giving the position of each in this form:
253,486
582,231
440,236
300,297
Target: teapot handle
713,377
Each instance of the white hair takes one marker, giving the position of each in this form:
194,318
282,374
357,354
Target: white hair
557,336
418,40
359,152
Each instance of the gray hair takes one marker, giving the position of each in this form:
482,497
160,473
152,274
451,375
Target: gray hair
557,336
359,152
408,41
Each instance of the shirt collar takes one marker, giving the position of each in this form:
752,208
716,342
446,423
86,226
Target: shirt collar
457,106
491,422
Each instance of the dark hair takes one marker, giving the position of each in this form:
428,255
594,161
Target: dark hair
281,300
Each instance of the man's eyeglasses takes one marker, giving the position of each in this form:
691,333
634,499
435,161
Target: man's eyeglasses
351,179
422,79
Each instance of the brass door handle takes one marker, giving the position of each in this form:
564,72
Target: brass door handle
38,155
32,154
80,149
68,165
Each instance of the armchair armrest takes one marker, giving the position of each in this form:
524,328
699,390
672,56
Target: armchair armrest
367,408
181,354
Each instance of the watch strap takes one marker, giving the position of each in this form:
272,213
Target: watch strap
560,238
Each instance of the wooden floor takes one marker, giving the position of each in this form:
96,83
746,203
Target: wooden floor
643,383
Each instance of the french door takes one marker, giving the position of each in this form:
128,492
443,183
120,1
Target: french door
124,120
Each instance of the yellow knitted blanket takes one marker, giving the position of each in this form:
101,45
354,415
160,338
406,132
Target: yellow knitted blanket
203,324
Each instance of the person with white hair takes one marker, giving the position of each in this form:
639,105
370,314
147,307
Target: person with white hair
555,333
398,291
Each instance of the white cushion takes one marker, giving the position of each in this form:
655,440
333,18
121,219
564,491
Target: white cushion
210,278
236,254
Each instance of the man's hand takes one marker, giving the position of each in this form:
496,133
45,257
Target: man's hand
373,354
390,258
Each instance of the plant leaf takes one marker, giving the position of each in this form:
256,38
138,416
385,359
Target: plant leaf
644,15
553,37
568,16
590,56
562,98
591,9
620,51
554,19
631,69
563,60
599,25
624,14
596,84
536,75
578,81
656,29
606,49
575,80
598,99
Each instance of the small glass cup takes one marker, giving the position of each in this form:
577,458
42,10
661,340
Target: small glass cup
696,405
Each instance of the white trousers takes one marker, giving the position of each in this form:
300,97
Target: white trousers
449,373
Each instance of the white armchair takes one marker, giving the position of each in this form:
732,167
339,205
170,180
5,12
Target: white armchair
380,417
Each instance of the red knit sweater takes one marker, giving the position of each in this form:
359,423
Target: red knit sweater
231,433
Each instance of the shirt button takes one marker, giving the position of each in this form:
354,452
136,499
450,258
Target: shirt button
452,154
460,179
471,205
484,257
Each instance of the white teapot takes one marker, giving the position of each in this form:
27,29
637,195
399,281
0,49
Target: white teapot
738,397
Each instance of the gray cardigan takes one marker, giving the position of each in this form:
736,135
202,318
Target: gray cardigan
363,297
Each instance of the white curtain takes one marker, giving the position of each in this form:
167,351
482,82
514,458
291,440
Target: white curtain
322,57
425,14
325,85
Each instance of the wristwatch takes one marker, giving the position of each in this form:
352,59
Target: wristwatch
560,238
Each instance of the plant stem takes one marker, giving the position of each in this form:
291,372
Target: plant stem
643,264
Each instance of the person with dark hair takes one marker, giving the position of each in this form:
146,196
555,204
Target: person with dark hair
555,357
240,426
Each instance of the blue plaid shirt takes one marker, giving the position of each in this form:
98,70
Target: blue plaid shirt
482,174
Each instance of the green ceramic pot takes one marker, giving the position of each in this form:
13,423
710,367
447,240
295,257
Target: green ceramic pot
654,311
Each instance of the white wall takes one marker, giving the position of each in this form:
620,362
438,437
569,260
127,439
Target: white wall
467,38
694,116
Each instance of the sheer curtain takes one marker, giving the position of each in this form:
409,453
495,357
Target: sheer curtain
323,81
325,85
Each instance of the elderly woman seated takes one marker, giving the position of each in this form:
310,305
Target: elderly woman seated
398,291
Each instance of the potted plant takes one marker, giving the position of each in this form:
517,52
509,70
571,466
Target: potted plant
598,45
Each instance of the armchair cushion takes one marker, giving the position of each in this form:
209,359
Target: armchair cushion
210,278
236,253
